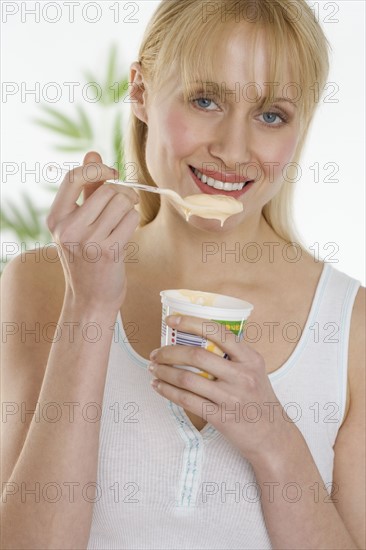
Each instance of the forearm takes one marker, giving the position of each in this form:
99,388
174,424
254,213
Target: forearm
298,511
60,455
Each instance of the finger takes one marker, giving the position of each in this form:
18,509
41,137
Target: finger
189,381
112,215
124,230
188,400
130,193
71,186
90,158
230,343
195,356
93,208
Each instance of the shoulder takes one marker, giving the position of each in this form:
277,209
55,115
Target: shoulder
358,313
33,283
356,349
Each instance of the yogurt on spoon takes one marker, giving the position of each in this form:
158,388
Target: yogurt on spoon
218,207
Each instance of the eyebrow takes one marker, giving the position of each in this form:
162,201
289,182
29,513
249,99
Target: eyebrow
261,100
284,99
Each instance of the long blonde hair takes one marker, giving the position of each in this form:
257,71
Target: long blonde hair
184,33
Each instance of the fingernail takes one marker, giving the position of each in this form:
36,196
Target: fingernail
154,353
173,320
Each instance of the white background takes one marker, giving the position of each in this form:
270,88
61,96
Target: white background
41,52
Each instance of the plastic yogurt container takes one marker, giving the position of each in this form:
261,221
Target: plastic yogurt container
230,312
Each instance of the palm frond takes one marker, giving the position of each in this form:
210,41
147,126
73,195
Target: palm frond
82,146
25,218
123,90
118,145
66,126
85,124
33,212
25,225
110,77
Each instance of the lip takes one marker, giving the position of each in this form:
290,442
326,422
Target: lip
212,191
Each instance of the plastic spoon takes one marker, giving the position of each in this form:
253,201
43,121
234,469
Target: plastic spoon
219,207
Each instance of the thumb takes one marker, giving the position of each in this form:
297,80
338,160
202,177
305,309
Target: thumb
91,156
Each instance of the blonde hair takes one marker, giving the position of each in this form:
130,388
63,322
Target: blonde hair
183,34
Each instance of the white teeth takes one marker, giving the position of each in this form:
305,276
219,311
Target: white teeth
219,184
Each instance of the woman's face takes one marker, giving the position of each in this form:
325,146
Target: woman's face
226,133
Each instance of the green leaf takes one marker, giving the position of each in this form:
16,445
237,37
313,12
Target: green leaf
85,124
118,145
25,222
17,223
89,77
26,231
114,89
78,131
111,70
66,125
72,148
117,134
121,90
65,131
34,213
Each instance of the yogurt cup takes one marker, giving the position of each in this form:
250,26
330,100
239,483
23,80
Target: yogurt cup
230,312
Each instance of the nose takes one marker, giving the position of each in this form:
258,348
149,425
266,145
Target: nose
231,143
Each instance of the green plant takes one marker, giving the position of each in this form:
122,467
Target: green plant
26,220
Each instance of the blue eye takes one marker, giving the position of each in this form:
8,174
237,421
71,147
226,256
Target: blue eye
270,118
206,100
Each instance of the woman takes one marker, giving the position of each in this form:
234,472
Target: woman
277,461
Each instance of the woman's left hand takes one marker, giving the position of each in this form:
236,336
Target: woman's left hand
240,402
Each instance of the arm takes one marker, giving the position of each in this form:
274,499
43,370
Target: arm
51,461
324,525
37,452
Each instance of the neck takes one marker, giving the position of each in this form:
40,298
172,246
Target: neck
212,256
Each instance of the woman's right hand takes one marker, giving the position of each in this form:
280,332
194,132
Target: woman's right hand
91,237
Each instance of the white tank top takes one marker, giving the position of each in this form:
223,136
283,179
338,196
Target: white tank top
162,484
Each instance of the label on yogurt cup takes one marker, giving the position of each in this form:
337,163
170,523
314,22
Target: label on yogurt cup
172,336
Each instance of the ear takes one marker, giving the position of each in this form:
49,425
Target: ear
138,94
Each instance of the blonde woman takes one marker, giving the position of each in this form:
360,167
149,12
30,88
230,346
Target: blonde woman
109,461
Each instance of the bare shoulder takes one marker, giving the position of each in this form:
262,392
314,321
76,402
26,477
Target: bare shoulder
32,289
357,335
28,278
356,352
349,448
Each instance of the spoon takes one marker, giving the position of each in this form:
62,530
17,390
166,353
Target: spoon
218,207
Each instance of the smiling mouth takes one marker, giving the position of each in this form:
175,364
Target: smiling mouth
213,186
